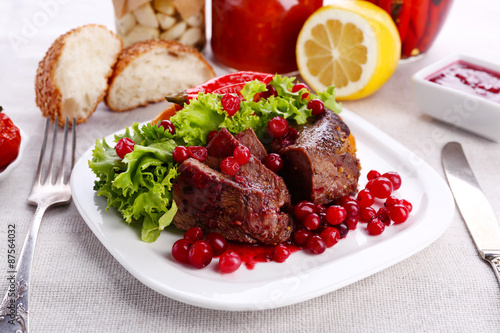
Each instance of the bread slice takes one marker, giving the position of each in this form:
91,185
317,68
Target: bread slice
148,71
73,76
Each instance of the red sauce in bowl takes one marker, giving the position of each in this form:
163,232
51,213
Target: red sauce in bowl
469,78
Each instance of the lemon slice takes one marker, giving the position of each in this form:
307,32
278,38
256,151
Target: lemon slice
353,45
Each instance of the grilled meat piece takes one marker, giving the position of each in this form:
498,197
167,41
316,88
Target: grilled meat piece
237,207
249,139
321,166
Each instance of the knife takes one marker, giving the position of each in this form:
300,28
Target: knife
472,204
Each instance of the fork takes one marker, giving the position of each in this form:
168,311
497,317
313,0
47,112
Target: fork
51,187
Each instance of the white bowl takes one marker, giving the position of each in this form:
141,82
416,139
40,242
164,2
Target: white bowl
15,163
470,112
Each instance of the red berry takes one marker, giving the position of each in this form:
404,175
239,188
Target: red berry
311,221
316,244
365,198
273,162
124,146
229,166
277,127
167,125
281,253
391,201
352,209
292,133
301,236
217,242
242,154
375,227
320,209
180,154
200,254
369,185
211,135
229,262
343,229
352,223
399,213
372,174
193,234
299,86
231,104
180,250
304,208
335,215
271,91
330,235
407,204
381,188
384,215
366,214
346,198
316,106
395,179
198,152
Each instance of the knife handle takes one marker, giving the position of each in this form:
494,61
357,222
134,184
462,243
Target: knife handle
493,258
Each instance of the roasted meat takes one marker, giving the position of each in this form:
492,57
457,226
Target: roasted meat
321,165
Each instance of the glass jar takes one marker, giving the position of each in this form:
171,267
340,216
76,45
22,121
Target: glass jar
259,35
418,22
179,20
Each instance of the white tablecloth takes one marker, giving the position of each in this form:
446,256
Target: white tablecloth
77,286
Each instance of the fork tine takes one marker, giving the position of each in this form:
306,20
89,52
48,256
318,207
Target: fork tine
38,175
60,178
54,142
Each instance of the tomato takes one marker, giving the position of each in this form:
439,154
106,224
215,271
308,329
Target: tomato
10,140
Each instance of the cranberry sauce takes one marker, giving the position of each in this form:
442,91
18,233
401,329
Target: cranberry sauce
251,254
469,78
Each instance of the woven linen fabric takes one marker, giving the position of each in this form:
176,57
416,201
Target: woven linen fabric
77,286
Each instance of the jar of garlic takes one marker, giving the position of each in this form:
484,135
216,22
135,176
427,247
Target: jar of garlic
179,20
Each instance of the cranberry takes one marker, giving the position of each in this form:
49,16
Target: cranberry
299,86
330,235
369,185
180,250
211,135
383,215
301,236
365,198
242,154
200,254
292,133
381,188
395,179
217,242
399,213
273,162
180,154
407,204
316,106
271,91
229,166
277,127
372,174
346,198
343,229
167,125
281,253
316,244
229,262
124,146
352,223
352,209
311,221
231,104
366,214
198,152
304,208
335,215
375,227
320,209
193,234
391,201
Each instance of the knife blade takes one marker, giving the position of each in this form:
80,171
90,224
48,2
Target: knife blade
473,205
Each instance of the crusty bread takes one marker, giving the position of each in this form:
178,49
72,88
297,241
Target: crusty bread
73,76
148,71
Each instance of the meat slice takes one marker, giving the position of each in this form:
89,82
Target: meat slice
249,139
321,166
238,208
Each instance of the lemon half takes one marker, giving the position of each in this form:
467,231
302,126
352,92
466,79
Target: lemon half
353,45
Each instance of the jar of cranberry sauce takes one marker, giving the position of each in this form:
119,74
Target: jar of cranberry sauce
259,35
